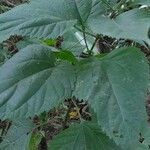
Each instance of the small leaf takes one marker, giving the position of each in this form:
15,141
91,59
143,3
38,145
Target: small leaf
66,55
50,42
35,140
87,136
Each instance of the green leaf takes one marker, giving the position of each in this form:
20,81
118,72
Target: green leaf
18,136
115,86
44,19
26,42
35,140
50,42
143,2
72,43
66,55
31,83
84,136
133,24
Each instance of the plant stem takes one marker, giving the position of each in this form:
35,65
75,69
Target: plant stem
84,37
88,33
117,7
96,39
106,3
66,117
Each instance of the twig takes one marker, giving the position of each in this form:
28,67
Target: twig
84,36
96,39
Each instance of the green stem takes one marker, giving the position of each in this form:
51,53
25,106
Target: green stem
88,33
96,39
106,3
117,7
84,36
66,117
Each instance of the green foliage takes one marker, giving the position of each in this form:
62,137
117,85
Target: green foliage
35,140
18,136
110,95
33,81
40,77
133,24
43,19
66,55
79,136
143,2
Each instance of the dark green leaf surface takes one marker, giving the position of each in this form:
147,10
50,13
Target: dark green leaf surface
31,83
133,24
116,86
143,2
46,18
18,136
84,136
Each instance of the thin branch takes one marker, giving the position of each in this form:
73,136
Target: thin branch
84,36
108,5
96,39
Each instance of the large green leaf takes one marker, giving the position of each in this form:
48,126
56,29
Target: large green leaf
46,18
115,86
18,136
133,24
143,2
30,82
84,136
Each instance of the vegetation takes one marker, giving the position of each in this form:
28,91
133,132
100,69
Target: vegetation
74,75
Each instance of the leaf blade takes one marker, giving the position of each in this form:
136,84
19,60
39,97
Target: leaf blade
113,85
31,82
85,136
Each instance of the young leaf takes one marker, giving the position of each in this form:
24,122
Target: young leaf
115,86
133,24
35,140
66,55
18,136
87,136
31,83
